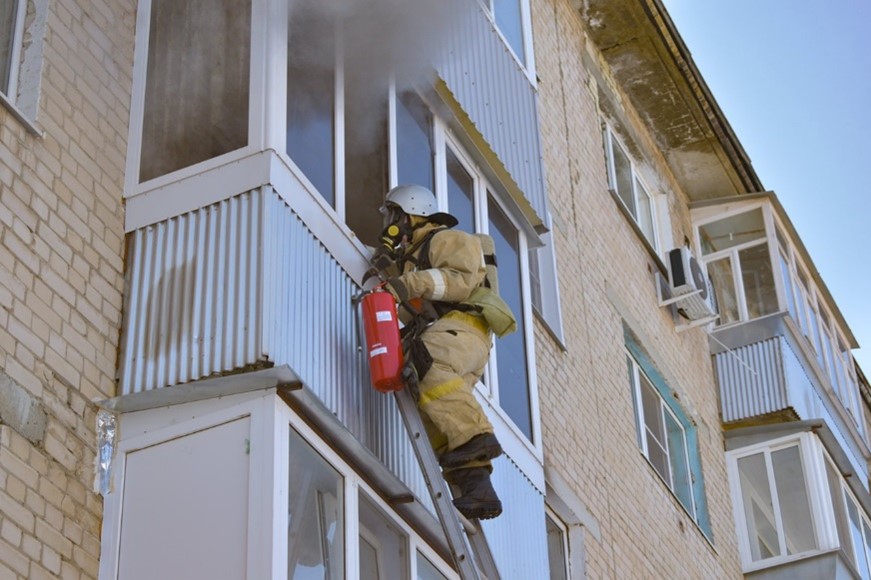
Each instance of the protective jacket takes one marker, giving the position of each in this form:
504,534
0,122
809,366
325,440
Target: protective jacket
458,341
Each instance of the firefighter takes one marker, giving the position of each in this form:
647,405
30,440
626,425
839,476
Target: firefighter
437,269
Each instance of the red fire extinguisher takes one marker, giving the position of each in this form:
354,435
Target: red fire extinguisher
382,341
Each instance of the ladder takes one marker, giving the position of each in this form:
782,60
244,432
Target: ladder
456,527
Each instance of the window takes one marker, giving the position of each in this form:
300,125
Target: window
192,114
511,22
320,519
665,435
472,201
315,515
544,287
557,547
11,15
383,552
805,305
22,41
774,502
625,181
735,251
661,437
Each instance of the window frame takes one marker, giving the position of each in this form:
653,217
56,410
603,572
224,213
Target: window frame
642,428
815,323
527,62
638,361
354,485
613,141
563,529
489,387
23,101
732,254
812,456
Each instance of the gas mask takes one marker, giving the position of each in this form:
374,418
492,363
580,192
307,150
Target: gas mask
396,228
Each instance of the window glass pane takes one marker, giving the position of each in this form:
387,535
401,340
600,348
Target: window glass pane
758,507
802,297
680,473
720,272
196,90
387,546
366,164
758,281
798,527
861,560
622,180
414,148
635,402
535,279
368,560
461,190
510,22
426,570
645,213
732,231
556,550
657,450
8,17
315,523
311,98
511,349
837,498
786,276
866,571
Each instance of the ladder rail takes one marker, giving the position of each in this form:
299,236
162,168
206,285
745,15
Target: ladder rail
447,514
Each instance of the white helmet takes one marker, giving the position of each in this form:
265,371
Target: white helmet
413,199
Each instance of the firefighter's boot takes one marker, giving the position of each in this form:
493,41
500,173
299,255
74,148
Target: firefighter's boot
475,496
483,447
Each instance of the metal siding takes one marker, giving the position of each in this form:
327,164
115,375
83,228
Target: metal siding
517,538
751,380
492,88
193,291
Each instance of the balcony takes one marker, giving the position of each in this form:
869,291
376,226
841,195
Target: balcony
781,347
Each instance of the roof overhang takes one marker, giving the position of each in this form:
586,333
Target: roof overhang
653,69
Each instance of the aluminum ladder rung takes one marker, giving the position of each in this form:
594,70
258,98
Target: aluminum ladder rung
473,558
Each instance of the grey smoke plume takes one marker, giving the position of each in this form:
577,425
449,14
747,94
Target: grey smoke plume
380,37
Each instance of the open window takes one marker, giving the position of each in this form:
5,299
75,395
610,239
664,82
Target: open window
666,436
628,185
22,41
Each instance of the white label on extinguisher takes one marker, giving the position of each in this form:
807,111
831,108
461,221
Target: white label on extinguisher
377,351
383,316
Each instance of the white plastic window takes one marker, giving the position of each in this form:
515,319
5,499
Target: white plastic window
22,42
557,547
735,252
624,179
661,437
323,491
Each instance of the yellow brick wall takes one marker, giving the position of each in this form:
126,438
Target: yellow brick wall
606,276
61,278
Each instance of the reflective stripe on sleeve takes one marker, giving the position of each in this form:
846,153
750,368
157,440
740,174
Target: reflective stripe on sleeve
438,283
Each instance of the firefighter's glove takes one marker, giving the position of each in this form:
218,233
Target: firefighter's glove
397,288
382,258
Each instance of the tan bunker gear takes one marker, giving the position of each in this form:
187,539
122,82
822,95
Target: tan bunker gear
458,342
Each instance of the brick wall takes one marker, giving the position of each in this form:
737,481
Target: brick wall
61,278
606,277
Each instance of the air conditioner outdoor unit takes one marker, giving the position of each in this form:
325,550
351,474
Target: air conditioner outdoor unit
690,289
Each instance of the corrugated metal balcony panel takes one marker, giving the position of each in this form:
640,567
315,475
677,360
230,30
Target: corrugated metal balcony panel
521,524
193,293
310,321
751,380
497,95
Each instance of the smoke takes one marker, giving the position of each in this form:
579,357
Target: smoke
379,37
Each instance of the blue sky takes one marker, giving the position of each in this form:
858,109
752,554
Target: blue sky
794,79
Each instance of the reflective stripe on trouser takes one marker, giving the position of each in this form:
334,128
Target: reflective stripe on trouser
459,345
